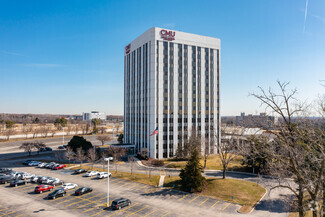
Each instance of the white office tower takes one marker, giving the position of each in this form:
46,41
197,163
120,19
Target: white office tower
171,83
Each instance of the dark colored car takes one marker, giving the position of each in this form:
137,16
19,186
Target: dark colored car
120,203
41,188
83,190
65,146
61,147
26,162
61,192
15,183
79,171
6,179
46,149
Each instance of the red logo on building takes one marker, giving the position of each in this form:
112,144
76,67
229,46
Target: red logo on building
167,35
127,49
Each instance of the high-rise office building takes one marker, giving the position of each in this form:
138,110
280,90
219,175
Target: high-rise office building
171,90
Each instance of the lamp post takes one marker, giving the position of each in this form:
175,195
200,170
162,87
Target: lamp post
108,159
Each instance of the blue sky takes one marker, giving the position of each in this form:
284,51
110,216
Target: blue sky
66,57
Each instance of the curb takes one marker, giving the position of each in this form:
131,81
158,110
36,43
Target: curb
253,208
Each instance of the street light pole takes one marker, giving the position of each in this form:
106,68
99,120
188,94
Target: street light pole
108,159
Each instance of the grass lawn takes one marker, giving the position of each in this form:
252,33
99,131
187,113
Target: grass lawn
213,163
244,193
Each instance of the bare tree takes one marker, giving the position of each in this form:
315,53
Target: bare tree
9,132
39,146
206,153
292,147
26,130
59,155
52,131
103,139
28,147
226,153
131,163
92,156
69,154
116,153
80,155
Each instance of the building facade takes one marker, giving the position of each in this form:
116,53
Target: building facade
94,115
172,84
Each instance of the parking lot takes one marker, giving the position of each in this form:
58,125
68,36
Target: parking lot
146,200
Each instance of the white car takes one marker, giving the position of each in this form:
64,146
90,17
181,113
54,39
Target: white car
91,173
34,163
69,186
34,178
102,175
41,165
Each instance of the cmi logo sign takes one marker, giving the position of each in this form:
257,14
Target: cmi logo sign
127,49
167,35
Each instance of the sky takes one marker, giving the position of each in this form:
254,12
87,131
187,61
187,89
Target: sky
66,57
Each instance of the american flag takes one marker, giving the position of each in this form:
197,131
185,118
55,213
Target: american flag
154,132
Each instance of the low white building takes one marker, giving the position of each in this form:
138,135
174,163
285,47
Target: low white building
94,115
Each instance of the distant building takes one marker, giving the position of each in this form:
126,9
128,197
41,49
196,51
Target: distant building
262,120
94,115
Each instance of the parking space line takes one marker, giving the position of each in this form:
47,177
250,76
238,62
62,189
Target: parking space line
151,213
123,210
204,201
66,200
8,213
193,199
165,214
119,182
215,204
3,209
141,187
89,209
23,186
133,213
98,213
226,206
184,197
124,184
150,190
136,184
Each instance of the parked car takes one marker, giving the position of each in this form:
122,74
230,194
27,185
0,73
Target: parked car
49,164
42,179
91,173
102,175
53,165
120,203
4,170
55,182
6,179
34,163
41,165
79,171
83,190
65,146
58,167
61,192
42,188
46,149
34,178
61,147
26,162
69,186
15,183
